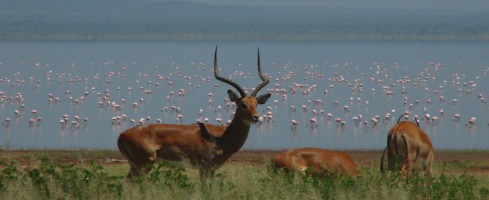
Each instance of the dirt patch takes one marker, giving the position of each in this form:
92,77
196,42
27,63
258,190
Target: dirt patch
476,162
263,156
472,161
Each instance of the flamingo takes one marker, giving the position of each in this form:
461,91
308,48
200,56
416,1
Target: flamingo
313,121
456,117
6,122
294,122
31,122
218,120
338,120
329,115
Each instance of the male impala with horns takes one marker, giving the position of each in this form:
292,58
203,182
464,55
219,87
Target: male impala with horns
205,147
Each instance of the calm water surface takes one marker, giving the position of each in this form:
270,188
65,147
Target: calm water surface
103,81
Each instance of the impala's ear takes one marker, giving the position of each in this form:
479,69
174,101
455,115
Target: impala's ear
233,96
262,99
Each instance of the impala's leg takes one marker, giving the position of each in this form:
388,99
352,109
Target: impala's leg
408,163
427,163
135,171
140,162
139,169
409,155
206,176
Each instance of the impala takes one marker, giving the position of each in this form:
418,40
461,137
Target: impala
318,161
203,146
406,143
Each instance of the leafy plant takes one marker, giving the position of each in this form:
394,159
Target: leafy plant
57,181
168,175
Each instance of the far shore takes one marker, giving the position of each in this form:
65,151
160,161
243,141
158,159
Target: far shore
362,156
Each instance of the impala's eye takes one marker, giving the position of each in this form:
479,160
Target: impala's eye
244,105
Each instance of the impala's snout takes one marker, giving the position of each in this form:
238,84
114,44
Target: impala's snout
256,118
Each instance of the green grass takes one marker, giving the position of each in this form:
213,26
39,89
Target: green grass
53,180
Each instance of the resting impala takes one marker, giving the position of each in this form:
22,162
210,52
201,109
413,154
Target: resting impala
319,161
407,142
205,147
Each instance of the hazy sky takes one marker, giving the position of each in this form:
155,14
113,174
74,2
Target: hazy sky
461,5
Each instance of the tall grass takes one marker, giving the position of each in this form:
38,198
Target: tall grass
244,181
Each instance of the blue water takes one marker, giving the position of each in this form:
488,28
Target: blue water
349,73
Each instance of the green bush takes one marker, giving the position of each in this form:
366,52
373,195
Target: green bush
165,174
165,181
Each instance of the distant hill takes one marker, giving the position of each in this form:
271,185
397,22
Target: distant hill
140,20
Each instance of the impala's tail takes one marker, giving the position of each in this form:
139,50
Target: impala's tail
382,160
399,144
122,148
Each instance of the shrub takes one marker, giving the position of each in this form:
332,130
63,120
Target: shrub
164,181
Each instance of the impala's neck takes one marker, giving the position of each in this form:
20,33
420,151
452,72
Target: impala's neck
235,135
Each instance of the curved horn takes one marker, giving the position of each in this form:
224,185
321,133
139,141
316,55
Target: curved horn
263,78
416,120
225,80
400,117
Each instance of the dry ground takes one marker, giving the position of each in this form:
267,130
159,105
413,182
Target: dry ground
472,162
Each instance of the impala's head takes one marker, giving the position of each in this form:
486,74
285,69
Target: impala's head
246,105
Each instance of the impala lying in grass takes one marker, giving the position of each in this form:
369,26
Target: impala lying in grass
318,162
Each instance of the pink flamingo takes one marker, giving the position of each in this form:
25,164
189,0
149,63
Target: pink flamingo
456,117
313,121
219,120
329,115
338,120
294,122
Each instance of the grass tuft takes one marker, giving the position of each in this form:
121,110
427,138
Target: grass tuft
52,180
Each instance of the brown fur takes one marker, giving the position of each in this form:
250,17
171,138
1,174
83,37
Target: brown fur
143,145
406,142
320,162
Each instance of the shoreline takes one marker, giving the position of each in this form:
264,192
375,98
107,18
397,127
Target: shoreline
363,156
472,162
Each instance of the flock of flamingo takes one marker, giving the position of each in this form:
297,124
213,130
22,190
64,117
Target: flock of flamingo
305,98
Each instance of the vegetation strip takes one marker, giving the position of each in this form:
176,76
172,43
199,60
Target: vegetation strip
100,174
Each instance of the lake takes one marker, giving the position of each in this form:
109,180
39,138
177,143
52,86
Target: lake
366,86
